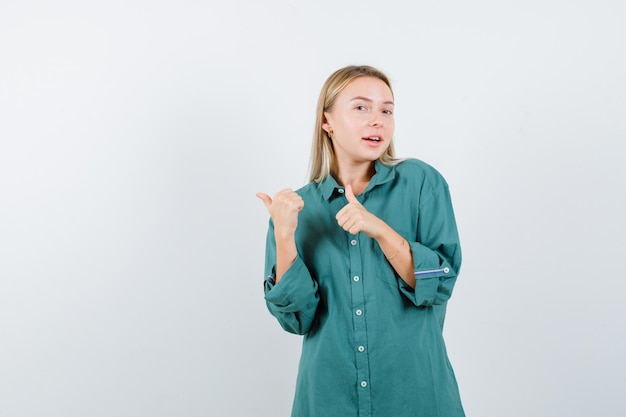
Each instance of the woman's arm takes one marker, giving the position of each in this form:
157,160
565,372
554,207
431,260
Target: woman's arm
293,300
429,266
354,218
437,251
284,209
290,293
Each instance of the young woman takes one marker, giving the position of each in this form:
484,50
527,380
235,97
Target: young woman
361,261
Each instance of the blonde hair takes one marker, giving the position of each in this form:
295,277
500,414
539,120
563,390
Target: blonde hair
322,153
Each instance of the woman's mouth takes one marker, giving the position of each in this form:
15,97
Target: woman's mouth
373,138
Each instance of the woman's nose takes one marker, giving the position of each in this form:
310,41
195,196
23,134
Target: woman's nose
376,121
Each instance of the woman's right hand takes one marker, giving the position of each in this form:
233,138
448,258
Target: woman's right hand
283,209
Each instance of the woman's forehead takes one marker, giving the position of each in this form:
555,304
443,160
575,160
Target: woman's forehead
368,88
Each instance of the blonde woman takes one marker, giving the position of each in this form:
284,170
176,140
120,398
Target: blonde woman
362,261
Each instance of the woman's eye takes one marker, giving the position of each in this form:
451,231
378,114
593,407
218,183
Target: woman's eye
360,107
388,112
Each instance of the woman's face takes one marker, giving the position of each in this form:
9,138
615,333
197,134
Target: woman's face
361,121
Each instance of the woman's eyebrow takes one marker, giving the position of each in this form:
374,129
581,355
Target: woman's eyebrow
369,100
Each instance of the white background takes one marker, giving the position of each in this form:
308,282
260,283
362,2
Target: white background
134,135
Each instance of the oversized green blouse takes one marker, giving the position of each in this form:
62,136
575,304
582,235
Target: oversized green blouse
373,346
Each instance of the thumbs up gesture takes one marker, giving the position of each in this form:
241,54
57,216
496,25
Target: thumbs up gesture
283,209
354,218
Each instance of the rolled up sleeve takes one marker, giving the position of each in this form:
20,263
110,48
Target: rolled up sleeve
437,252
293,300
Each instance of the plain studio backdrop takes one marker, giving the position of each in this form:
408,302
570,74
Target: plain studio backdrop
135,134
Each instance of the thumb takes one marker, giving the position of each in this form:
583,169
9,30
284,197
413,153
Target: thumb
350,195
267,200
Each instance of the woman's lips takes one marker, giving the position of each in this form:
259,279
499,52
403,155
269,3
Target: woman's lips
373,140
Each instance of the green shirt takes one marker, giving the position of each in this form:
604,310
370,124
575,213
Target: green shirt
372,345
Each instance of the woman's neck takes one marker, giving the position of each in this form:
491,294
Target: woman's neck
357,175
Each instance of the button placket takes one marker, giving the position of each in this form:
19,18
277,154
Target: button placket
359,323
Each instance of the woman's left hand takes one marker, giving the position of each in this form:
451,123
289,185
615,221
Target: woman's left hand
354,218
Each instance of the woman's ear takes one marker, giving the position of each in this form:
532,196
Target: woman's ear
326,125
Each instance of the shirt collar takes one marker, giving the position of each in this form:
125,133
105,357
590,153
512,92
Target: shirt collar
384,173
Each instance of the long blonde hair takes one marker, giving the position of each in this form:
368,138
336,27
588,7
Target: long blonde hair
322,153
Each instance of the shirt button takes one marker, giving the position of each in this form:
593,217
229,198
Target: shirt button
359,312
340,190
446,270
364,384
361,348
356,278
353,242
